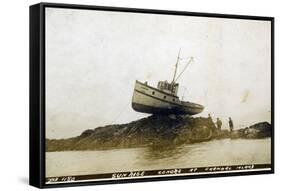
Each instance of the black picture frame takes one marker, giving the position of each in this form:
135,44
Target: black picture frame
37,94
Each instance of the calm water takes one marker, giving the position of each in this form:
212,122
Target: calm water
212,153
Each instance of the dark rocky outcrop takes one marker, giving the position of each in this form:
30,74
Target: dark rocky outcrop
152,131
256,131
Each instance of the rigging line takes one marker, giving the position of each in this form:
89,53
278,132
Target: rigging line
189,62
120,113
109,121
177,63
184,91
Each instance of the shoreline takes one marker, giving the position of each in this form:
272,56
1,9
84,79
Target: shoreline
155,131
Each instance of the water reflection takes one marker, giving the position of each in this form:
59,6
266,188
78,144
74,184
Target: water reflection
212,153
163,152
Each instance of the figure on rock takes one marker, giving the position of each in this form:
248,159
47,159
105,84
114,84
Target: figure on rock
210,118
230,124
219,124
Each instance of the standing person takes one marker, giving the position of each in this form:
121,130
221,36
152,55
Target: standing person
219,123
210,122
230,124
210,118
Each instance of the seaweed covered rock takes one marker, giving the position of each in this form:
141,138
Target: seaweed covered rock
153,130
259,130
256,131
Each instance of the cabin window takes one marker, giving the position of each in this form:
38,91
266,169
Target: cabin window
169,86
164,97
153,93
173,99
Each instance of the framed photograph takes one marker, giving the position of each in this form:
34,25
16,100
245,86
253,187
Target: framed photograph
123,95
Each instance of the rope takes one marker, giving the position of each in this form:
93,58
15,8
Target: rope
120,113
189,62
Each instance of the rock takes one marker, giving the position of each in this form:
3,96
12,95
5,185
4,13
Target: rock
201,133
258,130
222,134
156,131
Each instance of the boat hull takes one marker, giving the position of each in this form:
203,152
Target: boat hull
147,99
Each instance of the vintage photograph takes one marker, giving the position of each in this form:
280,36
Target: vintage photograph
140,95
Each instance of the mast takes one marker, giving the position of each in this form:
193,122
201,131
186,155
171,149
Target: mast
188,63
175,73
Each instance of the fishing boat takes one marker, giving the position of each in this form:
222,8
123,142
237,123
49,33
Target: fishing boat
164,98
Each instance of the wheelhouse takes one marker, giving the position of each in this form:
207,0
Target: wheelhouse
171,88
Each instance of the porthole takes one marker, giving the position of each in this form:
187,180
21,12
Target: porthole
153,93
164,97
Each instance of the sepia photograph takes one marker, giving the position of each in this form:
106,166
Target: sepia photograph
139,95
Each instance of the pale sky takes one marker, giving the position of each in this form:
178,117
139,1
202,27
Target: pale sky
94,57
